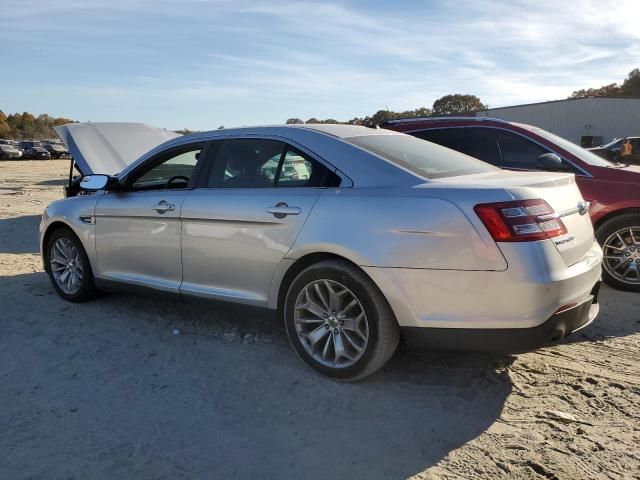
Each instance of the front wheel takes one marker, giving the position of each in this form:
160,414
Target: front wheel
339,322
68,267
620,240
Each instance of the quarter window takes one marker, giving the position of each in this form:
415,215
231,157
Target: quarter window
298,170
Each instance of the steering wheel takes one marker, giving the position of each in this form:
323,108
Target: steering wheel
176,177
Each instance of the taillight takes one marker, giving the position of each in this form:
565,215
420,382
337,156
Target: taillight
520,220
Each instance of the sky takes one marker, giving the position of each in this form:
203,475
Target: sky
199,64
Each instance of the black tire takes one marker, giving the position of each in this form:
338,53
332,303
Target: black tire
384,333
87,289
604,231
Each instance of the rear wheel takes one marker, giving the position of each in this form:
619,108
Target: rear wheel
338,321
620,240
68,267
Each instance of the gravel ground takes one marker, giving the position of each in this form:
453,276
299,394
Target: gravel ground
106,390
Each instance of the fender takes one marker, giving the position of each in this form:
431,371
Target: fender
76,213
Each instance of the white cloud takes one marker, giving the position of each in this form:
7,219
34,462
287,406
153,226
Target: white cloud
254,62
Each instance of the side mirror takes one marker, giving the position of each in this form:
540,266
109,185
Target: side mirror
550,161
93,183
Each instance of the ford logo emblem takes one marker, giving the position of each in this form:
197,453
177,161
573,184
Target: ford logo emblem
583,207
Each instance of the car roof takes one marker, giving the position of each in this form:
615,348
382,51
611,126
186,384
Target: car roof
326,141
332,129
451,118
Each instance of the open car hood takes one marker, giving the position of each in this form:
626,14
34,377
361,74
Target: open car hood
107,148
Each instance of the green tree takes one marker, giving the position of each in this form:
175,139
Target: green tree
379,117
457,103
313,120
610,90
631,86
26,126
294,121
5,129
418,112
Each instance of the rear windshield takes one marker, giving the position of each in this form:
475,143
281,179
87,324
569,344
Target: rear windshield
421,157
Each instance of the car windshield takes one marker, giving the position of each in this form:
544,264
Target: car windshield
615,142
584,155
421,157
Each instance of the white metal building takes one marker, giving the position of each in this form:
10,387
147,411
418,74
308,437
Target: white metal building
585,121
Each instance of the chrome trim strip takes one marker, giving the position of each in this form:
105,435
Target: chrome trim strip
564,213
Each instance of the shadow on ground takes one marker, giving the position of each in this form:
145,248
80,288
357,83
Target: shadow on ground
19,234
55,182
617,317
106,387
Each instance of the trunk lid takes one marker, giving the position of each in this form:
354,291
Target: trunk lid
560,191
107,148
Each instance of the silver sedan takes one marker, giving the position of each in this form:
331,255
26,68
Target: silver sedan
359,238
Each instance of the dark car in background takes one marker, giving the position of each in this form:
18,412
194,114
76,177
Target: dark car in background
56,150
37,153
612,189
9,152
25,144
611,150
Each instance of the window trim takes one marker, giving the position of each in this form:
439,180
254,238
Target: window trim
579,170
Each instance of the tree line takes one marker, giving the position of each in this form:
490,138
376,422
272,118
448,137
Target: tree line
19,126
630,87
455,104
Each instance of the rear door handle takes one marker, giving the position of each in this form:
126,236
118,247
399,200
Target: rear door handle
281,210
163,207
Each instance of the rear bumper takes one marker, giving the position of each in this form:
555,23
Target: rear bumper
506,340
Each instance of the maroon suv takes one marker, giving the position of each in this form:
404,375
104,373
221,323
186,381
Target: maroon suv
612,189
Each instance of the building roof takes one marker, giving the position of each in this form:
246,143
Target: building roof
560,101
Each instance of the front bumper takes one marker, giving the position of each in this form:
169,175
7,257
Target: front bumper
506,340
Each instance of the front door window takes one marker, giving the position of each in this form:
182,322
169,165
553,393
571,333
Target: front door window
172,172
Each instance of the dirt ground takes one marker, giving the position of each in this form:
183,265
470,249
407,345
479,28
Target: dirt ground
106,390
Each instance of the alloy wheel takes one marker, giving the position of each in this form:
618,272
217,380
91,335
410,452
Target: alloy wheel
622,255
66,265
331,323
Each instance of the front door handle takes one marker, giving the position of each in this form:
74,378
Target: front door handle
163,207
281,210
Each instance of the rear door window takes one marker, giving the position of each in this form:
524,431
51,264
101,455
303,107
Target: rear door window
263,163
483,143
447,137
